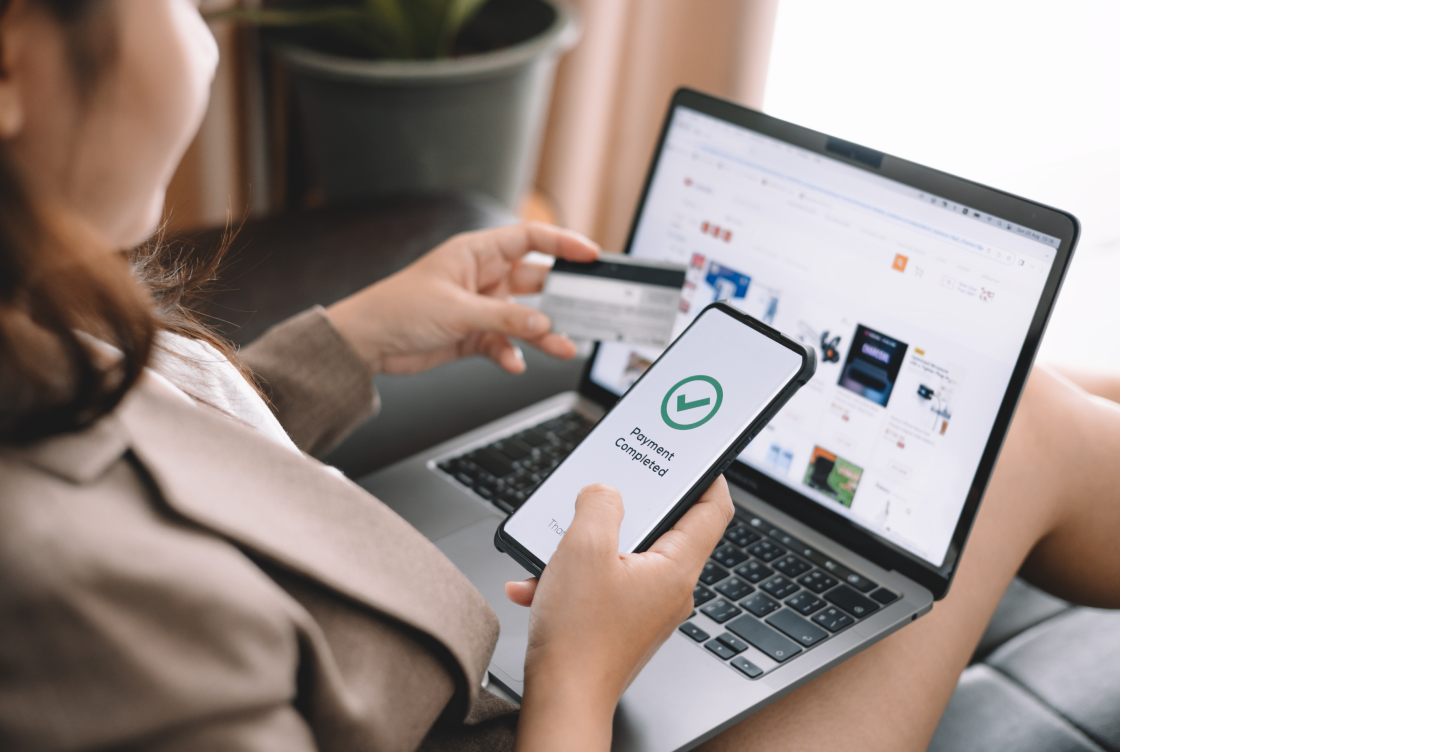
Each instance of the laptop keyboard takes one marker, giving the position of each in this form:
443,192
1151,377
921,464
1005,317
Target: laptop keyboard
762,589
507,471
766,590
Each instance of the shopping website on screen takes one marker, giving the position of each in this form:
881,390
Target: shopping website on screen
916,307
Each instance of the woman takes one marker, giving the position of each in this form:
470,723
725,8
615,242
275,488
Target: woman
176,571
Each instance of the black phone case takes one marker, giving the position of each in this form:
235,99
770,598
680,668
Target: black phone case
534,566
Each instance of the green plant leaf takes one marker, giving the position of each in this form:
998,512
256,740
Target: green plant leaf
390,17
457,15
392,29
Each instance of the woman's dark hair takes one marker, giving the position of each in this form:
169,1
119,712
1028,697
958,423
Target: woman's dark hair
59,292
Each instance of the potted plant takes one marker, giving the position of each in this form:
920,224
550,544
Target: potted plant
404,96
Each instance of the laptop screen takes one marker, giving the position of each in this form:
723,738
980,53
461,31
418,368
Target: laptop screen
916,306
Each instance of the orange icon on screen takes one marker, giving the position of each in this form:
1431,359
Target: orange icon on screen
899,263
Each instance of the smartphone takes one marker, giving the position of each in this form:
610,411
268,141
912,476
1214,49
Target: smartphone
667,439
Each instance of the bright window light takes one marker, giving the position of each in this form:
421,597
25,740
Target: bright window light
1017,95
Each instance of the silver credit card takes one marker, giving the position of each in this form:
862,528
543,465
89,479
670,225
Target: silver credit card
614,299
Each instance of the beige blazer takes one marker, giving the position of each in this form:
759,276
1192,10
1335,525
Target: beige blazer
172,579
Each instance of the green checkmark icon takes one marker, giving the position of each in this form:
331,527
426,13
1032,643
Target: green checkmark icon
682,405
669,410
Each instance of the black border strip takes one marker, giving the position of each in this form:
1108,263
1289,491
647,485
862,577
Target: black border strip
642,273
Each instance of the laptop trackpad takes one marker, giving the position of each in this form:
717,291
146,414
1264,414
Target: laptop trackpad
473,551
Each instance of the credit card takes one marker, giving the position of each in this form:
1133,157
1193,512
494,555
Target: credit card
614,299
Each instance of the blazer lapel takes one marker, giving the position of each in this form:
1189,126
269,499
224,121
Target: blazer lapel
288,508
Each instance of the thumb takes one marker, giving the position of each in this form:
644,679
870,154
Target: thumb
521,592
596,527
486,314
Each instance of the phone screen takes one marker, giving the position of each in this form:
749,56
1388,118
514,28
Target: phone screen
668,430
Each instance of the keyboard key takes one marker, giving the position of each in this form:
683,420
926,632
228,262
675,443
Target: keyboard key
765,551
818,581
713,573
729,555
754,521
535,437
720,611
754,571
765,639
747,668
742,535
885,597
703,595
852,602
779,586
719,648
805,603
733,642
832,619
734,588
791,566
693,632
493,461
813,555
838,570
787,540
514,448
797,628
760,605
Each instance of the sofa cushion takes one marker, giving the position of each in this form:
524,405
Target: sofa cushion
1072,663
1022,607
989,711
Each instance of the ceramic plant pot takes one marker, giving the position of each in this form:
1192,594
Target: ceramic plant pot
377,127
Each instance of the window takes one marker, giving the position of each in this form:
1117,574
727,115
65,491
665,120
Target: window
1019,96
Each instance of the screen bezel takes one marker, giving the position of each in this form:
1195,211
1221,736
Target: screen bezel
806,368
1054,222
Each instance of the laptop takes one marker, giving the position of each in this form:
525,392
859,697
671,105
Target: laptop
925,296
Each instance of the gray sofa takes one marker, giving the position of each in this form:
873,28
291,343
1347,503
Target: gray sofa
1046,675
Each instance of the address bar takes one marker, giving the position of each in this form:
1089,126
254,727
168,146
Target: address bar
994,254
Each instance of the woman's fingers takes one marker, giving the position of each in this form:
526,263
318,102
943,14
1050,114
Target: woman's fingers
699,529
556,346
486,314
501,350
527,278
511,358
521,592
514,241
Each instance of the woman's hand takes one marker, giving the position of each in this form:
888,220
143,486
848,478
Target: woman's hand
455,301
597,616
